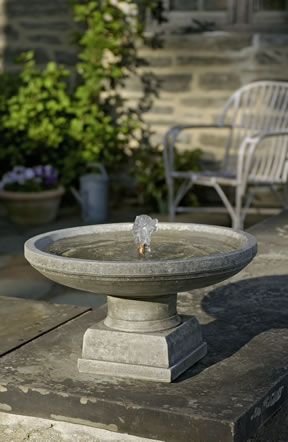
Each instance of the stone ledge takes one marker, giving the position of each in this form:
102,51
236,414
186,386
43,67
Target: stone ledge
22,320
21,428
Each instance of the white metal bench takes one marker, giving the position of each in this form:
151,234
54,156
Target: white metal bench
256,118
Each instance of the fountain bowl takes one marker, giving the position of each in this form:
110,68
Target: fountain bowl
142,336
140,278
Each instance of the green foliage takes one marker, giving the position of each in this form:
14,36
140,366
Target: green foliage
29,186
43,122
9,84
150,173
35,119
41,105
102,122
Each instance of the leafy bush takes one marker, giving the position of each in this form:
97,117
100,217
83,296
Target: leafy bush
9,84
103,123
150,173
36,120
44,123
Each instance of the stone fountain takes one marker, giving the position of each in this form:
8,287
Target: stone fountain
142,335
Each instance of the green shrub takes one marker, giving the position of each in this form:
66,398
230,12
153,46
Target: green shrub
43,122
150,174
36,120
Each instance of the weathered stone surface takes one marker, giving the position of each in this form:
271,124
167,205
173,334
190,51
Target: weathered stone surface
275,429
49,39
203,60
10,266
274,41
209,139
11,53
159,356
10,32
23,428
66,57
162,110
204,101
212,41
46,25
216,81
5,260
25,289
157,122
158,61
34,8
272,236
133,84
24,320
63,295
183,138
175,82
270,57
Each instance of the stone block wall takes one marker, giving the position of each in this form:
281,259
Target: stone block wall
46,26
198,72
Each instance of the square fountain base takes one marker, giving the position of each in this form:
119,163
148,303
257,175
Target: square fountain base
158,356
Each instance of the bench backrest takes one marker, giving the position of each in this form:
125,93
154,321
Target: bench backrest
259,107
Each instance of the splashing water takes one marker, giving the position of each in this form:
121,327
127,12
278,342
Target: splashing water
143,228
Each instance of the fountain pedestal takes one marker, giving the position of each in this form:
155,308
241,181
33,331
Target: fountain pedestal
142,338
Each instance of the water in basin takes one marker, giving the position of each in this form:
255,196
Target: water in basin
165,245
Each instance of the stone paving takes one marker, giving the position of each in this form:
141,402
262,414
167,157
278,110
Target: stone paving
15,428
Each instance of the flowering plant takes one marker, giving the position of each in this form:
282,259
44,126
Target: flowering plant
28,179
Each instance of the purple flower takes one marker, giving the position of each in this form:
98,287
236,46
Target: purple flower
43,175
8,178
38,170
48,169
18,169
29,173
17,176
50,176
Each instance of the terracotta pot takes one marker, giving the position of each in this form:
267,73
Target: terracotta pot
32,208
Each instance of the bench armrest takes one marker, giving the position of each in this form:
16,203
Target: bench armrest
247,154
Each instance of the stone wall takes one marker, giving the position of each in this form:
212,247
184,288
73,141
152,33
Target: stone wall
198,72
45,26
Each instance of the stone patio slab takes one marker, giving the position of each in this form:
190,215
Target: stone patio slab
24,320
15,428
225,397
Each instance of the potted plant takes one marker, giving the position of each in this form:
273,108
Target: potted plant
31,195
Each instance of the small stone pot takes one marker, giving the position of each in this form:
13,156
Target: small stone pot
32,208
